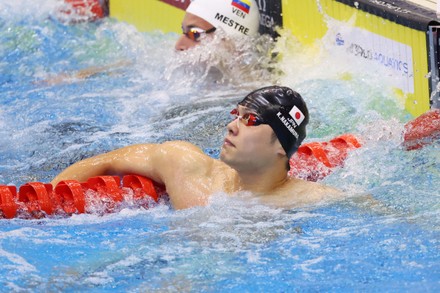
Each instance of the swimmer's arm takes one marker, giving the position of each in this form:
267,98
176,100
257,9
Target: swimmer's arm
149,160
83,73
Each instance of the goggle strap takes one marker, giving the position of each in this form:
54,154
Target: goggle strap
211,30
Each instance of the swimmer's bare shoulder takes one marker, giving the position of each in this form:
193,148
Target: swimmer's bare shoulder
185,156
297,192
172,159
193,158
191,176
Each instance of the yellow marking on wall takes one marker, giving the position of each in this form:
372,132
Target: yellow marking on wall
148,15
306,19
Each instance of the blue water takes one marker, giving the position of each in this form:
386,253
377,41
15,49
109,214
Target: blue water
234,244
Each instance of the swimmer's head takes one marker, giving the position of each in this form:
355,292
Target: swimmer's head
284,110
234,17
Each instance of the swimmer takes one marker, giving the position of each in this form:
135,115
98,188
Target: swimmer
268,126
204,17
201,20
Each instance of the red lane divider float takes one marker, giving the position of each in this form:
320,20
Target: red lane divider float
141,185
8,205
313,161
73,11
423,130
36,199
71,196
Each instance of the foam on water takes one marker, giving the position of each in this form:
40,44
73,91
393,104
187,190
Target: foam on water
26,10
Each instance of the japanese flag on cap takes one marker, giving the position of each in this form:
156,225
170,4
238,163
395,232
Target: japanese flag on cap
297,115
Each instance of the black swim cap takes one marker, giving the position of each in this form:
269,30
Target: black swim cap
284,110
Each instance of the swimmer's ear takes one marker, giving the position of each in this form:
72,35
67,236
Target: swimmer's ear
281,152
279,149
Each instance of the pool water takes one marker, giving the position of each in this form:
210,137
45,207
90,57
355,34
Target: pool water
149,93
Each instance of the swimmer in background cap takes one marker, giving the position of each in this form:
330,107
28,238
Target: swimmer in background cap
268,125
237,18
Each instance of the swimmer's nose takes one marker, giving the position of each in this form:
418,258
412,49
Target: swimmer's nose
232,127
184,43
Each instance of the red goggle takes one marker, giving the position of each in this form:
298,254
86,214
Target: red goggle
248,119
194,33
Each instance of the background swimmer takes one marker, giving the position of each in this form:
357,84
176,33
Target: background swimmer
235,22
203,17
